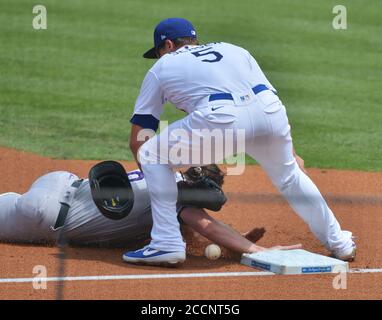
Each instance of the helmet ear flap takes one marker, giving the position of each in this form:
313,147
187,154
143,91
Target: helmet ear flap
111,189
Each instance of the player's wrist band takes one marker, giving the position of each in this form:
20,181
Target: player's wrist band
146,121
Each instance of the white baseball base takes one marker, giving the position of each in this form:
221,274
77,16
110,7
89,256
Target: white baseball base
293,262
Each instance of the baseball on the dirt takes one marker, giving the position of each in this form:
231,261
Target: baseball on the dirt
212,252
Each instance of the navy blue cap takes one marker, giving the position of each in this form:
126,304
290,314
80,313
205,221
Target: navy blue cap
170,29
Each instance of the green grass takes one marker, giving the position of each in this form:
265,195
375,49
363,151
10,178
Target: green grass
69,91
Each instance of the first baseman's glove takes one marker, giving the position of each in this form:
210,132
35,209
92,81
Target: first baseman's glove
201,187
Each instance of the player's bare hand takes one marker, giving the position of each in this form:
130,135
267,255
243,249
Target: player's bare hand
255,234
291,247
301,163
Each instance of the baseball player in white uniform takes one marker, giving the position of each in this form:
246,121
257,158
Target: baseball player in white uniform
39,216
221,87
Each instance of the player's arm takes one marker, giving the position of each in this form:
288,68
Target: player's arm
216,231
222,234
147,111
135,140
300,161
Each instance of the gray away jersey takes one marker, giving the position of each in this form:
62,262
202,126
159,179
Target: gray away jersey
86,225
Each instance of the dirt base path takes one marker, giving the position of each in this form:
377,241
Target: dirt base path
355,197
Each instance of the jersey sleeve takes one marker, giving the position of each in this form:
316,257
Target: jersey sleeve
149,105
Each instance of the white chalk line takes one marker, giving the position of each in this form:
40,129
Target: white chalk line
158,276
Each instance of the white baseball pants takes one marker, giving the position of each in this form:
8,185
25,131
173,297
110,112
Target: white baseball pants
267,140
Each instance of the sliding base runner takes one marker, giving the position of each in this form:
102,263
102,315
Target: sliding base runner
293,262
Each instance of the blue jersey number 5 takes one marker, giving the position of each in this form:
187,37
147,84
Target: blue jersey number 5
205,52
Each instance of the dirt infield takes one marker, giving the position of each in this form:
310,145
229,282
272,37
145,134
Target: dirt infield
355,197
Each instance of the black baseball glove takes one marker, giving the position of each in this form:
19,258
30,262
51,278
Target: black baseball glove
202,187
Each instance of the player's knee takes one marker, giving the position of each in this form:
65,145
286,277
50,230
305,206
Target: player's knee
289,177
147,153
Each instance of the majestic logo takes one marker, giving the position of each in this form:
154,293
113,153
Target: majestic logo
163,37
193,32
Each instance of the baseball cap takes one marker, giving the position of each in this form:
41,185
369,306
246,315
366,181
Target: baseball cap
170,29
